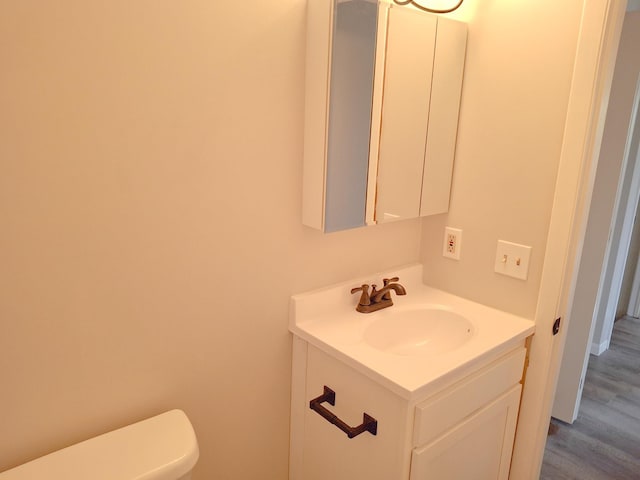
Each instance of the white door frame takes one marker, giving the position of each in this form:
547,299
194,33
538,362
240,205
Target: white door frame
634,301
593,71
621,230
597,296
633,308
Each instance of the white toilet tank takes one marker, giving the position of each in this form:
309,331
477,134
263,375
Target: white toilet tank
159,448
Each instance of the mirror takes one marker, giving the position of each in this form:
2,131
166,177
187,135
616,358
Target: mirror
383,87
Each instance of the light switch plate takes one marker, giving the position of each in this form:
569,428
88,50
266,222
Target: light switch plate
512,259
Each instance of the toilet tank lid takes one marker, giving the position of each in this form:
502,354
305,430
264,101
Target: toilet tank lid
163,447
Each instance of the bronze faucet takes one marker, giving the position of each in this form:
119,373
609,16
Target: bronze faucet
378,299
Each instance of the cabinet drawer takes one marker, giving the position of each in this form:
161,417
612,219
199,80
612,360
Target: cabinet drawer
438,414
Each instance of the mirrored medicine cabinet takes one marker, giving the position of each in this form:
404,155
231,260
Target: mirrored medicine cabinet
382,96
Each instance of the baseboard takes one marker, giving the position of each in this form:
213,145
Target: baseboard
599,349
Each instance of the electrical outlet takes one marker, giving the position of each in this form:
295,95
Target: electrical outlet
452,243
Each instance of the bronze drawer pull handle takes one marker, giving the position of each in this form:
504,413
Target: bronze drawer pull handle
369,424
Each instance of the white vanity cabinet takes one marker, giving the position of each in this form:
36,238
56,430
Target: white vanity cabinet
462,428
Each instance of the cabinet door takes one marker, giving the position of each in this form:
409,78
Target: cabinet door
410,47
327,451
446,91
479,448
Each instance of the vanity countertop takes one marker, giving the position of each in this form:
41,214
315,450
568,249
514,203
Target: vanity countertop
327,319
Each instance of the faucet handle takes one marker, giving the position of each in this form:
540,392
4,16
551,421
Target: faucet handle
387,281
365,299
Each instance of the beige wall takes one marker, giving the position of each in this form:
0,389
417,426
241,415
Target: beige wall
515,94
150,170
150,204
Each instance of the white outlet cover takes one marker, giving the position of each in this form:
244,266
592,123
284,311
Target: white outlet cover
512,259
455,255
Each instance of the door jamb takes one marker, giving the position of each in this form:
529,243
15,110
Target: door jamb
593,71
624,212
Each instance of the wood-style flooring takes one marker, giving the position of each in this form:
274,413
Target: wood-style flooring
604,442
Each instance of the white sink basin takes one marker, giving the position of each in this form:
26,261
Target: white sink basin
427,339
419,331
